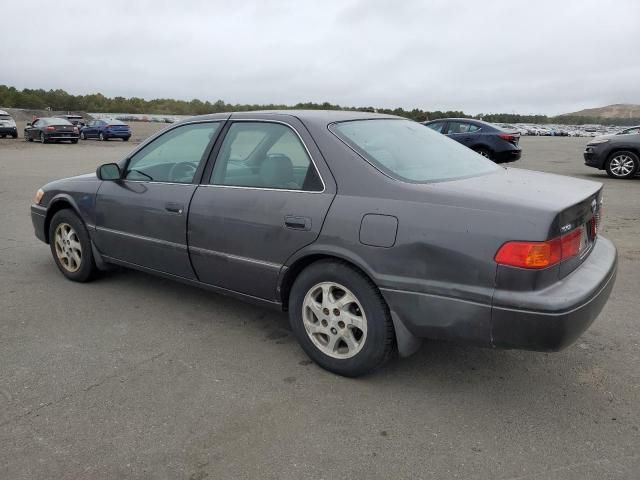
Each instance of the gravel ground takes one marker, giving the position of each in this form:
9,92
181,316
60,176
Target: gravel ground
133,376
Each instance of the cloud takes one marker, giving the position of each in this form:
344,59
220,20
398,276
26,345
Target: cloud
534,57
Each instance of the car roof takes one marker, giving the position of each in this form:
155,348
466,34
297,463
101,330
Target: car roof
325,117
2,112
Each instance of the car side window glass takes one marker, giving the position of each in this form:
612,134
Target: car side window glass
458,127
436,126
264,155
174,156
473,128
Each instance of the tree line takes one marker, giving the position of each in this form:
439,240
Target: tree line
60,100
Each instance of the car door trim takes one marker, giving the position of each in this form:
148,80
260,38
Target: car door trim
164,243
234,258
264,120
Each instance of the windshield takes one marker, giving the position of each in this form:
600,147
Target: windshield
410,151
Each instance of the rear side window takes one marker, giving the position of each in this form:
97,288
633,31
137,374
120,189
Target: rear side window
407,151
264,155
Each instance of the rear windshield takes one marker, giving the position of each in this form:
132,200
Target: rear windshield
113,121
5,117
55,121
408,151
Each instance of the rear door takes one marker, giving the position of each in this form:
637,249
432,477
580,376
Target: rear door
265,198
142,218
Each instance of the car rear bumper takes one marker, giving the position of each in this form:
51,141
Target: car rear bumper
8,130
38,217
56,136
543,320
116,134
554,317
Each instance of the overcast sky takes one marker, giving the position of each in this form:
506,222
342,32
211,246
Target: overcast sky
477,56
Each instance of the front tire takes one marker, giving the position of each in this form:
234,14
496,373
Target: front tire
340,319
27,138
43,138
83,136
623,165
71,246
102,137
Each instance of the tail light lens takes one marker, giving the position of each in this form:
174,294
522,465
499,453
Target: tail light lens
50,128
507,137
75,129
537,255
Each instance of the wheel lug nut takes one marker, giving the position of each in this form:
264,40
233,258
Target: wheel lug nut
334,331
341,324
324,323
336,312
325,311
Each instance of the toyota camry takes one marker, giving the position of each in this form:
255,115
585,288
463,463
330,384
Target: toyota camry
370,230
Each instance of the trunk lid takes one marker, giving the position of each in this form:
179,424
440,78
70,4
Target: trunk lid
536,206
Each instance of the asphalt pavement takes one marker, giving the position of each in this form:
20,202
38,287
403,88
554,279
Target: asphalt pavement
133,376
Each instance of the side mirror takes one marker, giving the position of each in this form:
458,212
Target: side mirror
108,171
28,124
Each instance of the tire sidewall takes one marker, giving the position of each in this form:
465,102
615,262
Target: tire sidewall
377,345
87,266
632,155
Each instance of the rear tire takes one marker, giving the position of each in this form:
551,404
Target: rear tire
101,137
71,247
74,141
27,138
14,135
126,139
43,138
623,165
83,136
351,338
484,152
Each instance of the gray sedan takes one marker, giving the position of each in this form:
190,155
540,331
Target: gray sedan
372,231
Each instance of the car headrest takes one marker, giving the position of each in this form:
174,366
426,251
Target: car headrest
277,171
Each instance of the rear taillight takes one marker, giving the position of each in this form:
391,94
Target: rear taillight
540,254
75,129
50,128
507,137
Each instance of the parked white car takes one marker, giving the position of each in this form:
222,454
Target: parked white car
7,125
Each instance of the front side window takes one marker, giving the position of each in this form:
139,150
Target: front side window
458,127
173,157
264,155
407,151
437,126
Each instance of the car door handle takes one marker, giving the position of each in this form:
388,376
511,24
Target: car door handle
174,207
297,223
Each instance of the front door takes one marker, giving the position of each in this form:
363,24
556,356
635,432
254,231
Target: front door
265,200
142,218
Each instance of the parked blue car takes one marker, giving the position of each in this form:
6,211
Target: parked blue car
106,129
491,141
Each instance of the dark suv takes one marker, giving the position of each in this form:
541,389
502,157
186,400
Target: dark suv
491,141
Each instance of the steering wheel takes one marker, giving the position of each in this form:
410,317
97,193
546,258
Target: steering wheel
183,172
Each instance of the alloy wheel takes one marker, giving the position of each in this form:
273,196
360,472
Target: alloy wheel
42,139
334,320
68,247
621,165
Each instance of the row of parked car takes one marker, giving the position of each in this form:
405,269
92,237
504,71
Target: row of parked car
68,128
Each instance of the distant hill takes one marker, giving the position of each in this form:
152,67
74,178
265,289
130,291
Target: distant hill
619,110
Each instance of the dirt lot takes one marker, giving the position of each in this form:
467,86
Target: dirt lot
133,376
